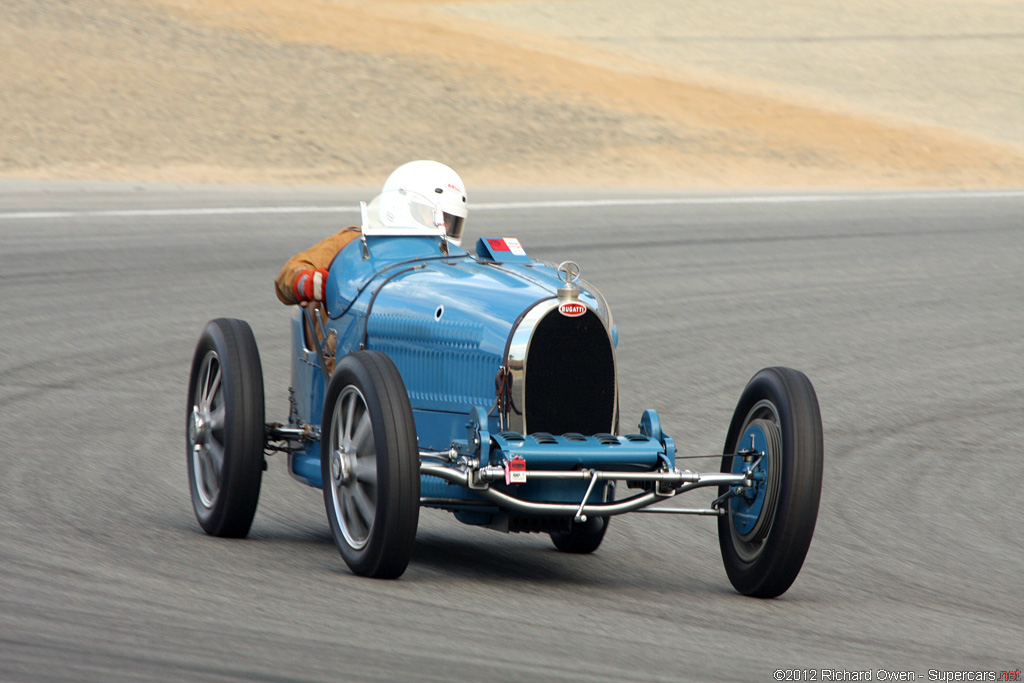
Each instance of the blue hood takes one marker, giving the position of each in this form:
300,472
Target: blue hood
415,293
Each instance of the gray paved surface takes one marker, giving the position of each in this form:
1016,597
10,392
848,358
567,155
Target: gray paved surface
904,311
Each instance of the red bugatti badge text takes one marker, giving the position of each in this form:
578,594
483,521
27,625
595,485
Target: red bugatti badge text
572,309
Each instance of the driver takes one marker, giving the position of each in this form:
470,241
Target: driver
303,277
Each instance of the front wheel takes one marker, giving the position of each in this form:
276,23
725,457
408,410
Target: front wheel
225,428
369,462
582,537
767,528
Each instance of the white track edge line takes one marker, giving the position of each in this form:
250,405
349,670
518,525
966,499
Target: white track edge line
549,204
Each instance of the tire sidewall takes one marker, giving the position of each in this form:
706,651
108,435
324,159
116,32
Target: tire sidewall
783,550
208,517
241,474
353,374
354,370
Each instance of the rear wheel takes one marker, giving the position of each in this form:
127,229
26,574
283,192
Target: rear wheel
370,465
225,428
765,535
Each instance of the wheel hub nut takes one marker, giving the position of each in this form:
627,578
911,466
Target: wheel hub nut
340,466
200,425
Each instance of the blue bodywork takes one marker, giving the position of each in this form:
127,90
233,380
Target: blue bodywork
746,509
446,320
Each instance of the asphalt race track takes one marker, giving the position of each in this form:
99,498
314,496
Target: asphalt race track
905,310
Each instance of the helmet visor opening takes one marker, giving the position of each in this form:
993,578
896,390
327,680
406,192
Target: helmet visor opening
453,226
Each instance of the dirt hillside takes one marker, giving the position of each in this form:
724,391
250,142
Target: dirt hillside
340,92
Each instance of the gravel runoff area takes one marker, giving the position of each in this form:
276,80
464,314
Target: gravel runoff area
581,92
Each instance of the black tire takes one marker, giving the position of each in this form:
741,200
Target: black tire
369,461
582,537
225,433
764,538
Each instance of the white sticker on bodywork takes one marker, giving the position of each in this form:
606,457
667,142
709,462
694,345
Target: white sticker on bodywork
514,246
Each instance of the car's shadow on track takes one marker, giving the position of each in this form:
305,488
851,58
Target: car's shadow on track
531,560
508,562
441,555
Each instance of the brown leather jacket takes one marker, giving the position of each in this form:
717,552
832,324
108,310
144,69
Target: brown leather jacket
320,255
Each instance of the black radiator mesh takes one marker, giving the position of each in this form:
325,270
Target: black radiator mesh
570,376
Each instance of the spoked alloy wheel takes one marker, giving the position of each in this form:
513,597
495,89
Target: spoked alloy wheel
206,430
765,535
225,428
353,468
370,465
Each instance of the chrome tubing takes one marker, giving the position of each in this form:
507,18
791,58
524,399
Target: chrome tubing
507,502
705,512
495,473
450,455
282,433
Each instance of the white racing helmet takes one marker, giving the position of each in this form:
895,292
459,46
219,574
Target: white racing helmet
437,181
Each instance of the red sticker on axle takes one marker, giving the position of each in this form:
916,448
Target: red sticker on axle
515,470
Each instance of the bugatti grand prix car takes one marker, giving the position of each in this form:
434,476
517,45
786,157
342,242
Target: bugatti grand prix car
483,383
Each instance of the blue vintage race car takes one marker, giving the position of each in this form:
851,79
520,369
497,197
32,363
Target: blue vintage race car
483,383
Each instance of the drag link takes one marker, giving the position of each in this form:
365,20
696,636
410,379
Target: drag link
580,517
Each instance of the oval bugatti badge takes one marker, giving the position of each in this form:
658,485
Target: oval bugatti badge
572,309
